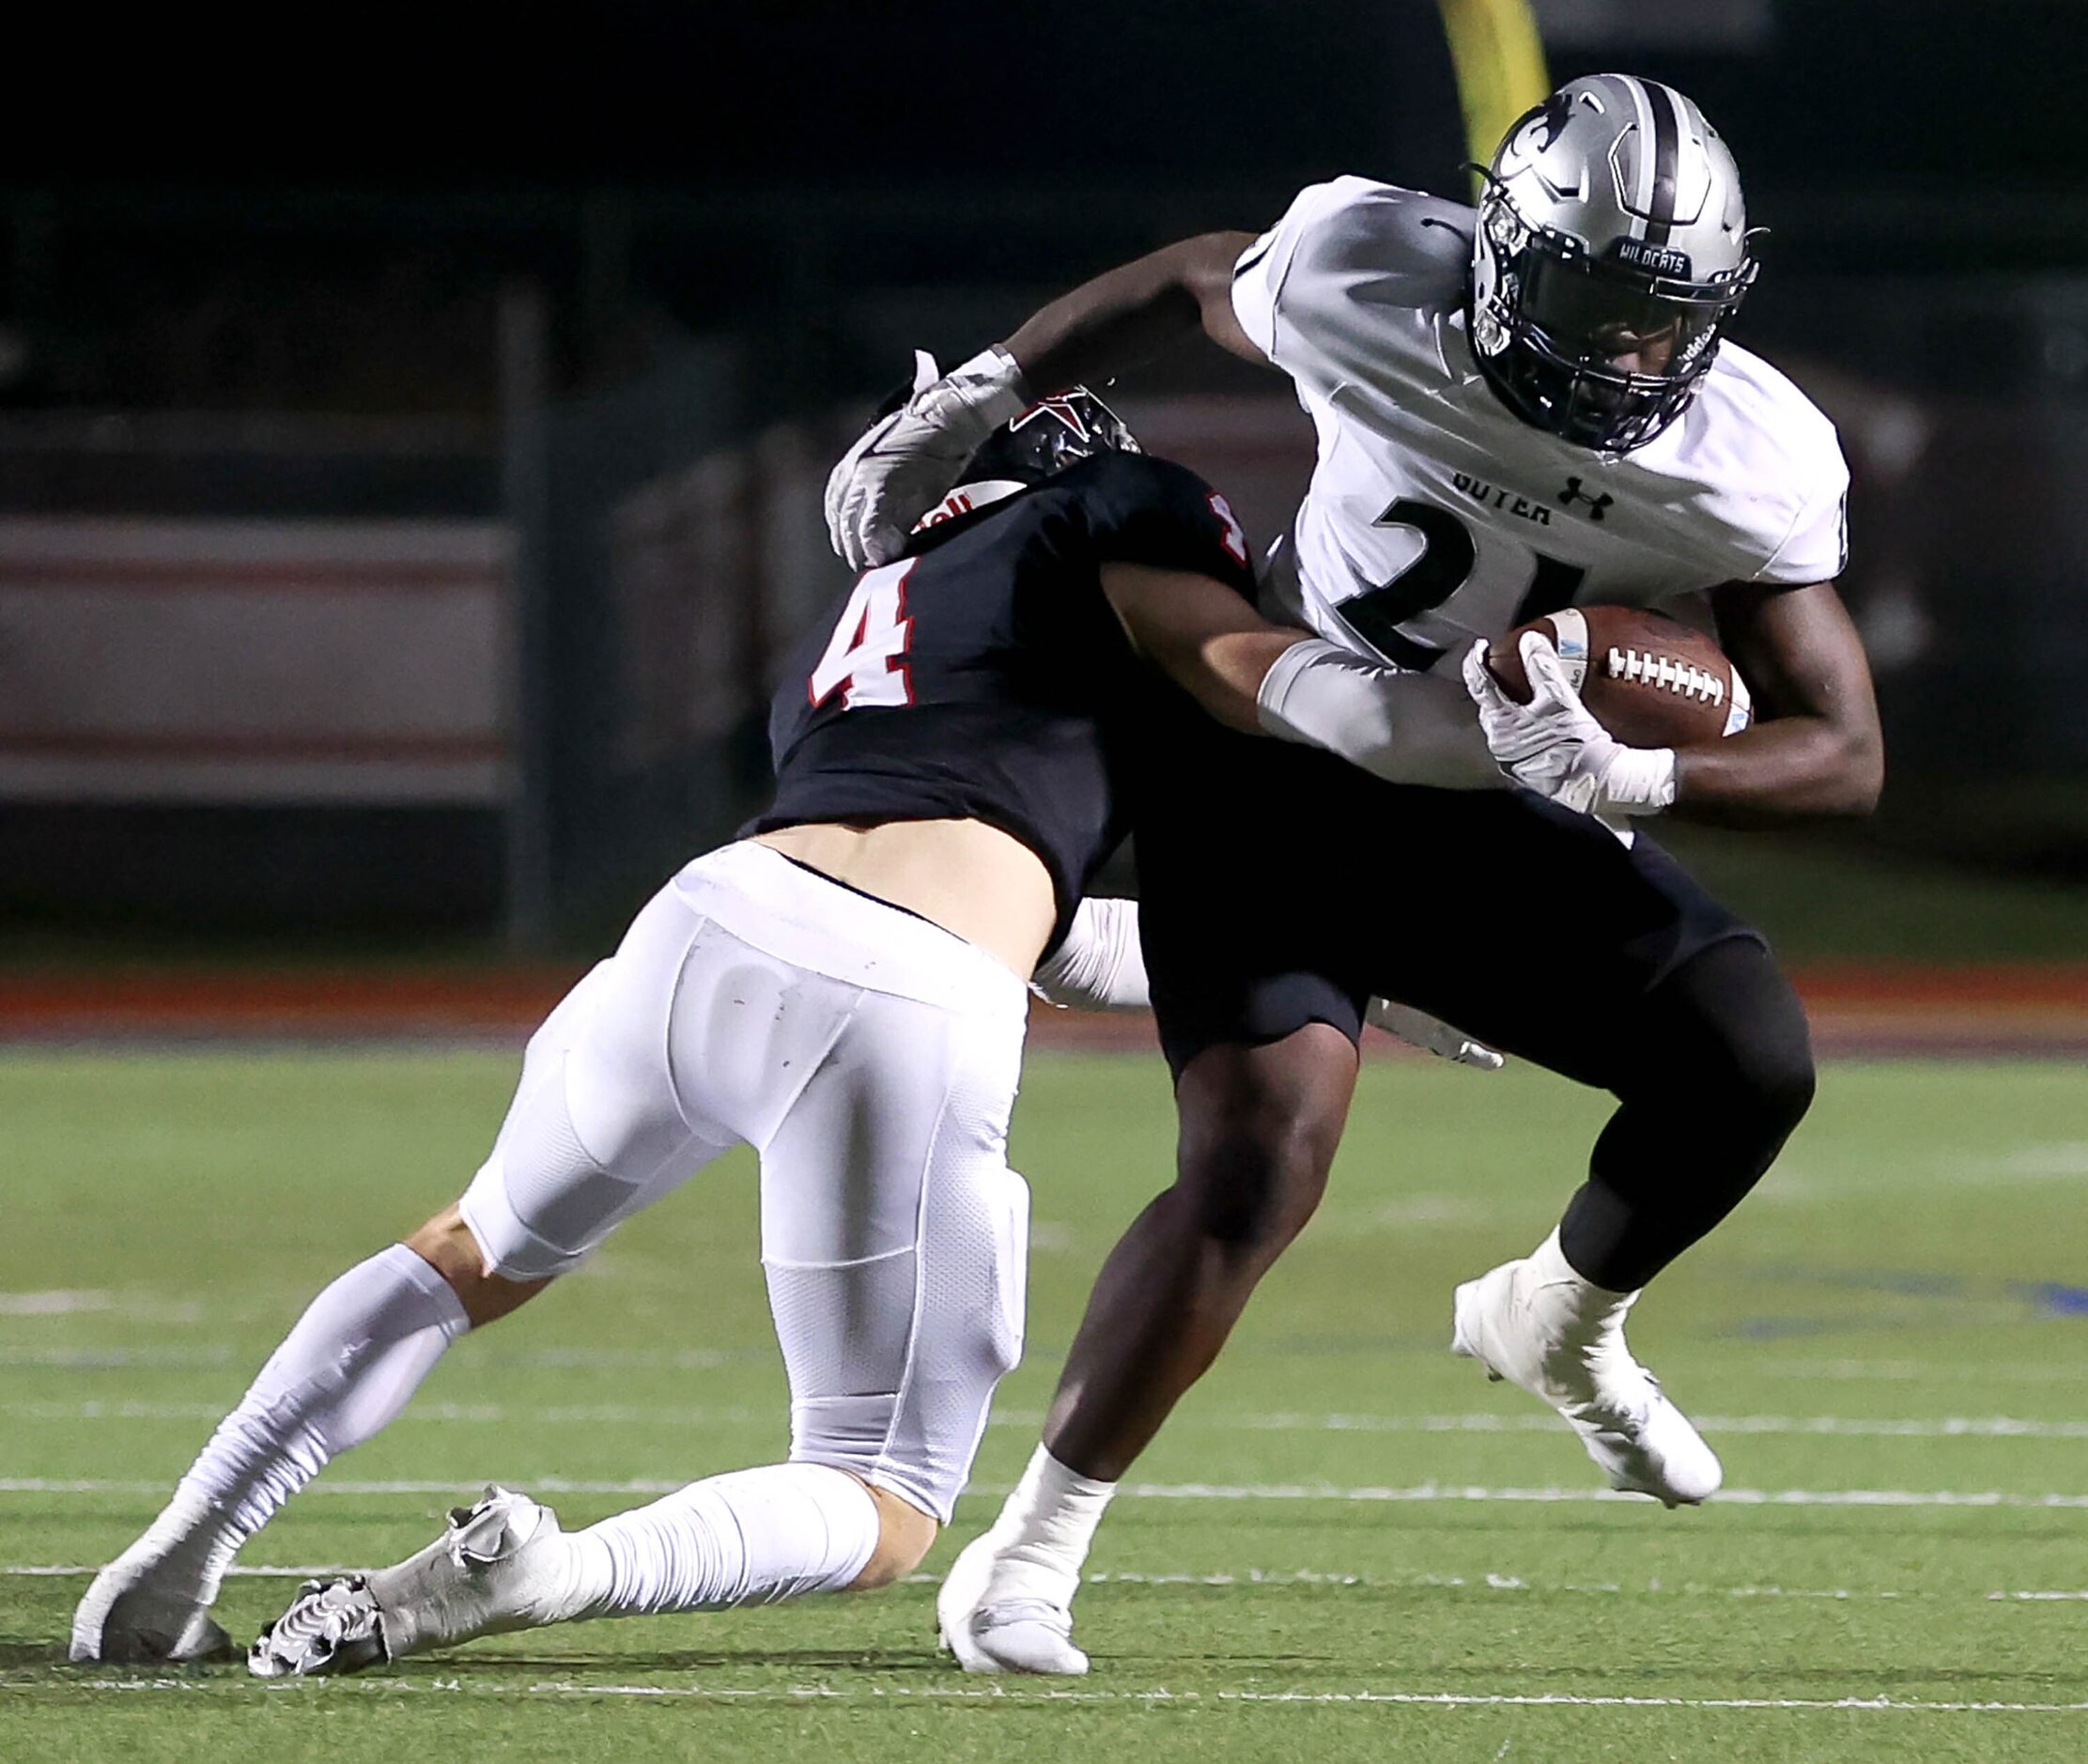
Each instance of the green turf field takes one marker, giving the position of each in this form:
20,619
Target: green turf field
1349,1545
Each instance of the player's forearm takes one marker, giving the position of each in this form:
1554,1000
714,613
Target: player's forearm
1406,728
1202,635
1817,751
1128,315
1793,768
1273,679
1225,672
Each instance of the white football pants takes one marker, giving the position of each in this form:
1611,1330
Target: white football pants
870,1057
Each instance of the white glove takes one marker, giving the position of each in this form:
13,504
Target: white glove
1553,746
905,463
1431,1035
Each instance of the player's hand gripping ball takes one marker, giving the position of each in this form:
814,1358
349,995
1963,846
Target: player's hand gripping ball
1651,681
1589,706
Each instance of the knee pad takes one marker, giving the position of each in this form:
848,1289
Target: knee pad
893,1360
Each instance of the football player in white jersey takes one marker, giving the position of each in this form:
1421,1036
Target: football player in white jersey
1518,407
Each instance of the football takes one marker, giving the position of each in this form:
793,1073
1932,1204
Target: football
1650,680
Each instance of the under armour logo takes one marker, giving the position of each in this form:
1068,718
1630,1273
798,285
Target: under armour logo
1573,493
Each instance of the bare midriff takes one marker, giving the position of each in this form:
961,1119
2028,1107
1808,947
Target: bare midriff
975,881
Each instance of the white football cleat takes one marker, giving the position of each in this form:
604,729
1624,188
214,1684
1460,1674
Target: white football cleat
500,1565
1538,1324
138,1611
1002,1634
331,1627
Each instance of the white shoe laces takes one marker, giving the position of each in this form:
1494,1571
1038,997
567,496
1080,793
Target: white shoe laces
1056,1618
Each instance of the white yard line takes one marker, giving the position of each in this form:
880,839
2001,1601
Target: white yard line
1003,1694
220,1353
75,1570
1252,1578
427,1414
1732,1497
1876,1371
655,1415
1501,1583
96,1358
61,1302
1854,1427
705,1359
1426,1492
1265,1577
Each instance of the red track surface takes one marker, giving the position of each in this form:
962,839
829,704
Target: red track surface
1856,1010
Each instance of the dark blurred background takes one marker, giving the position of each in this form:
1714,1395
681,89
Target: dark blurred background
412,424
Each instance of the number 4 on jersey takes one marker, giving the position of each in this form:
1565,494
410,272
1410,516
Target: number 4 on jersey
1235,538
866,657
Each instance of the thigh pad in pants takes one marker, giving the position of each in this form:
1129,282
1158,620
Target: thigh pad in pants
895,1240
686,1041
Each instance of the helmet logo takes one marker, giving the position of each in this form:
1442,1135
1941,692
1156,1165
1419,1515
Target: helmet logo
1024,452
1060,406
1654,259
1553,116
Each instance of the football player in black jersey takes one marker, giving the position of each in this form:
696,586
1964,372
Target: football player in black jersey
844,988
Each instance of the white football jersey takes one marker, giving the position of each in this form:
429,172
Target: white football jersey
1436,516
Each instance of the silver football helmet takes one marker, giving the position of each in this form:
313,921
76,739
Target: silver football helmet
1612,245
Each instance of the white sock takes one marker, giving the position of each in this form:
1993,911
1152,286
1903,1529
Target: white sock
751,1537
1548,1263
1044,1531
359,1351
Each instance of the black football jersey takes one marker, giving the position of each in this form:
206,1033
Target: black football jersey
984,676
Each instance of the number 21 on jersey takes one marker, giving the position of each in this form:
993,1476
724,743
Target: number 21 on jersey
1436,572
866,657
